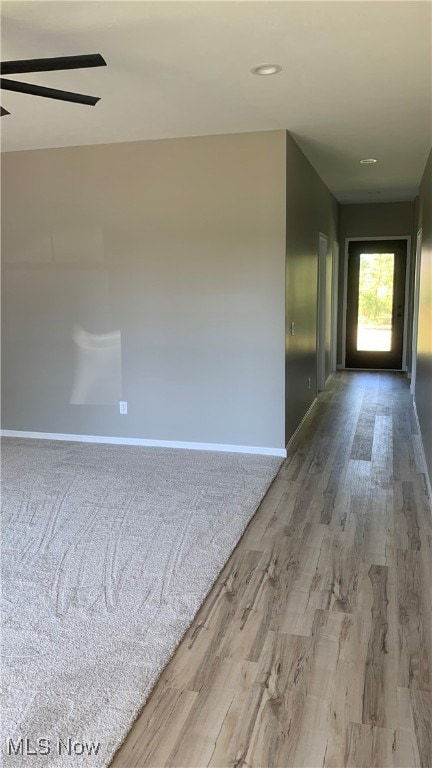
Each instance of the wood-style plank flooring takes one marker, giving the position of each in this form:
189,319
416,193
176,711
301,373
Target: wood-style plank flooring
314,647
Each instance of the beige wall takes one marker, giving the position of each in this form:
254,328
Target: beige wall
176,248
311,209
369,220
423,387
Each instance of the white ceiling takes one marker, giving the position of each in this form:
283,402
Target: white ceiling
355,80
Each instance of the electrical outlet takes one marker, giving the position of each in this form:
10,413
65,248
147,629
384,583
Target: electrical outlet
123,407
309,382
292,328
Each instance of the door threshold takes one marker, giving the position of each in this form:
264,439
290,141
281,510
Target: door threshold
378,370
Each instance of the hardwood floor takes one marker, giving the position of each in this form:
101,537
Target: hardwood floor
314,647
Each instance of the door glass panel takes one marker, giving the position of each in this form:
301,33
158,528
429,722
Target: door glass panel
375,307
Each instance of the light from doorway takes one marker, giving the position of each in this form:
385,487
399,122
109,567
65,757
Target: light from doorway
375,306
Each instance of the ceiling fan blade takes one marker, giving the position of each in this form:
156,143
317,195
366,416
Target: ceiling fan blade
3,111
52,63
50,93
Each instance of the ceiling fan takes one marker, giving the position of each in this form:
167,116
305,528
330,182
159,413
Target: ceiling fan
48,65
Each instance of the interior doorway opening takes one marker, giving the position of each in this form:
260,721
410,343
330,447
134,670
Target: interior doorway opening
321,311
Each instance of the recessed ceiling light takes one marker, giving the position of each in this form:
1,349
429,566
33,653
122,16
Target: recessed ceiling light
266,69
368,161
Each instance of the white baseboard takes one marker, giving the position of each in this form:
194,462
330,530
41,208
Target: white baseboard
426,471
293,437
259,451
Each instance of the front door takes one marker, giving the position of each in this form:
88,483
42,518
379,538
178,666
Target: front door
375,304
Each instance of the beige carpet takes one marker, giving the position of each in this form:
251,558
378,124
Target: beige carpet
108,552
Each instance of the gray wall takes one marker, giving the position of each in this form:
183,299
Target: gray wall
423,388
369,220
151,272
311,209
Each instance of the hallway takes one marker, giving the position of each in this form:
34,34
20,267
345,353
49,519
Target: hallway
314,646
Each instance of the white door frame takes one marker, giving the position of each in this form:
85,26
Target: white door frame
416,311
321,311
334,306
349,240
